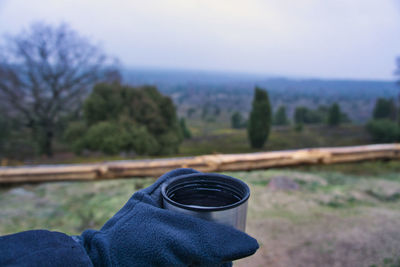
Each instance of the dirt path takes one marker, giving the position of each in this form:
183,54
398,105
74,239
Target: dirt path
365,238
333,220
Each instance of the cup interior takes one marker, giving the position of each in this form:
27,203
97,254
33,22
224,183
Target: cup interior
206,192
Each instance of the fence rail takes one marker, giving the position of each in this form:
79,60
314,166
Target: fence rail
206,163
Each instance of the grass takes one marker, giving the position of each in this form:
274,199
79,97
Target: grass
367,168
74,206
65,206
389,262
223,140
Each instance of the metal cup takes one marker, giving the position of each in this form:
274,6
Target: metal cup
214,197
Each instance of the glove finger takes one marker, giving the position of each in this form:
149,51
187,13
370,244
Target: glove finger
228,243
154,190
166,176
204,243
150,195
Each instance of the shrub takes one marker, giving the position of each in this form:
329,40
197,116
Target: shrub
383,130
384,109
121,118
280,117
106,137
5,132
237,121
139,140
74,134
303,115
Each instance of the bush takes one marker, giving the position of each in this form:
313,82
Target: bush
303,115
4,133
280,117
168,143
384,109
106,137
73,135
298,127
237,121
138,139
121,118
383,131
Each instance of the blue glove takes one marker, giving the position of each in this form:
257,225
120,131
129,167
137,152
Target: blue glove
144,234
41,248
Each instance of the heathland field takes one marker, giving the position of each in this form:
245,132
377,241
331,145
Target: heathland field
322,215
339,215
218,137
212,138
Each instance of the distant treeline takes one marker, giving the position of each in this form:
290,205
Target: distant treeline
234,91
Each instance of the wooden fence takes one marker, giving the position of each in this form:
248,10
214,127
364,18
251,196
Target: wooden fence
206,163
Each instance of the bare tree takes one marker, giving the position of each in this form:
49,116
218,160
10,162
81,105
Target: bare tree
45,73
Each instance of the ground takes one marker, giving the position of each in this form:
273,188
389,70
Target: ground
333,220
341,215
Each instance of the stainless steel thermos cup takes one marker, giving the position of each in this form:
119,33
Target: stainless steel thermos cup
213,197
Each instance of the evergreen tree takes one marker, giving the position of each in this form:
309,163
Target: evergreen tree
281,117
236,120
384,109
299,118
300,114
334,115
259,124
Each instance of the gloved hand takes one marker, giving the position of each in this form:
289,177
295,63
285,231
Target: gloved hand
144,234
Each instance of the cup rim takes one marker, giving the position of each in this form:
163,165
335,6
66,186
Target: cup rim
204,177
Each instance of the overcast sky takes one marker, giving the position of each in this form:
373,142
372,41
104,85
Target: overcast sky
357,39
